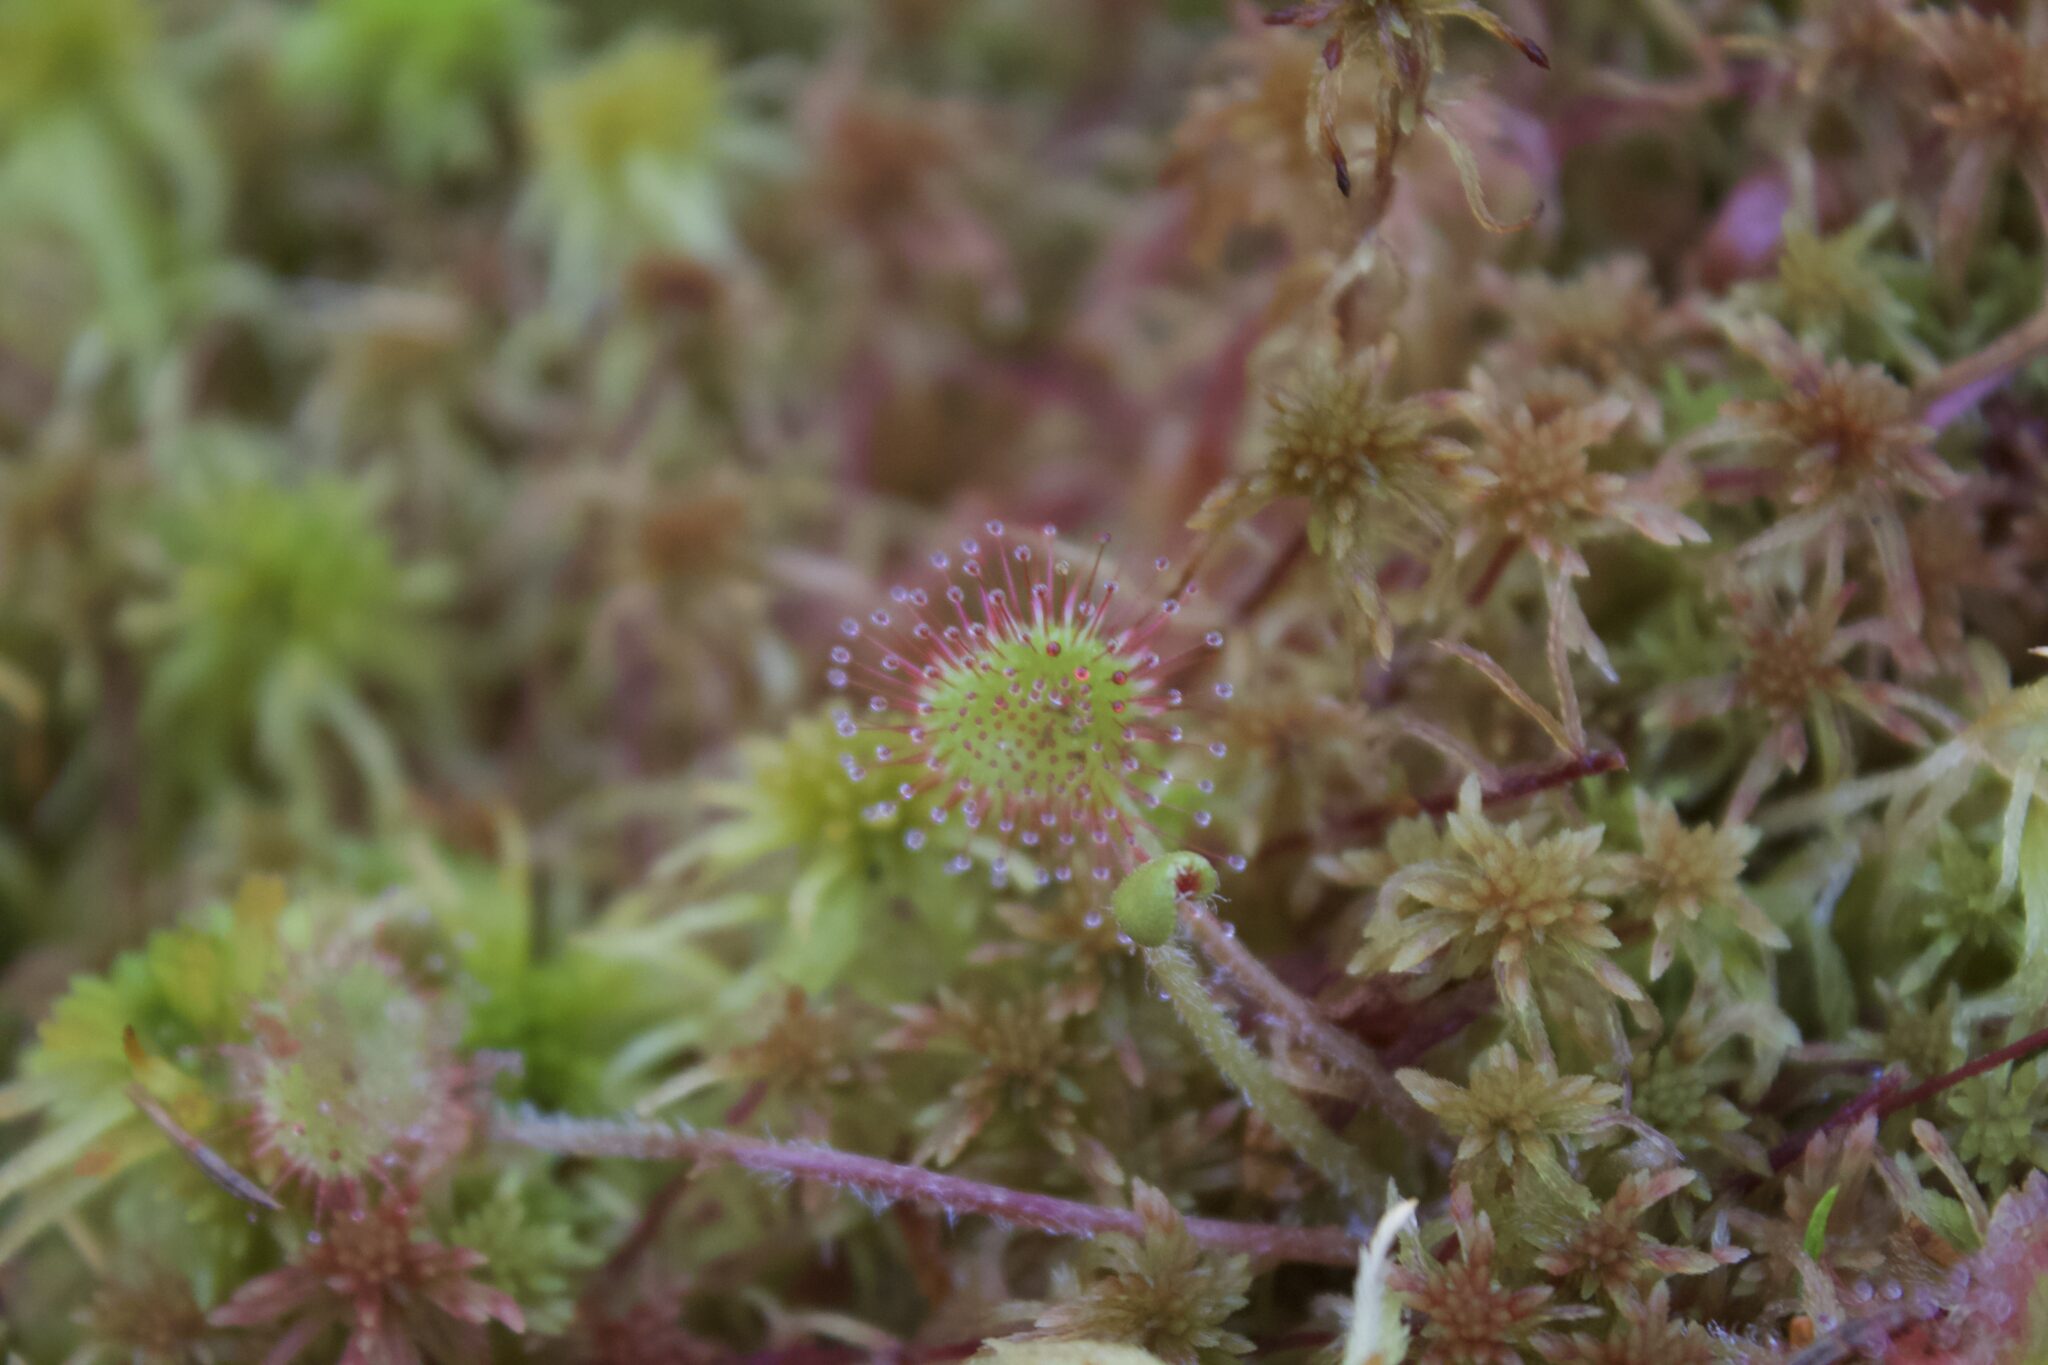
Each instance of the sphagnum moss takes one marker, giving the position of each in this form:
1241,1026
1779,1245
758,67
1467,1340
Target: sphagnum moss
437,435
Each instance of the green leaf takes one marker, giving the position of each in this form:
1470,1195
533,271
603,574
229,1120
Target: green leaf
1817,1225
1146,903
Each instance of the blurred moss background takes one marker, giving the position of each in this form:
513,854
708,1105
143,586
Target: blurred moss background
439,440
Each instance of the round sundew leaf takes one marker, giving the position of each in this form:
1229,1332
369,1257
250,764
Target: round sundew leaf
1021,698
355,1067
1042,712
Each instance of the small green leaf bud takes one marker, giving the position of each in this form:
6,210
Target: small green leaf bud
1144,901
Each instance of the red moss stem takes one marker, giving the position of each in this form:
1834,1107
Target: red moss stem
1509,786
1529,781
1276,574
1737,482
642,1235
1954,389
1461,1006
890,1180
1489,577
1885,1098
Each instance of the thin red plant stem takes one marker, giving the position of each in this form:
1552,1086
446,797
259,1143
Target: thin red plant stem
1276,574
1254,979
643,1233
1980,370
1528,781
1489,578
1737,481
646,403
1885,1098
1510,786
924,1252
891,1180
743,1108
1468,1002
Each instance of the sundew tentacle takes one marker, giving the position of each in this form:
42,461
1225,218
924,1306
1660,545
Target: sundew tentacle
1036,705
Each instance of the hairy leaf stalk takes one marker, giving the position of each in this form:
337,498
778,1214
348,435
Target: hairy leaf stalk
1242,1066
